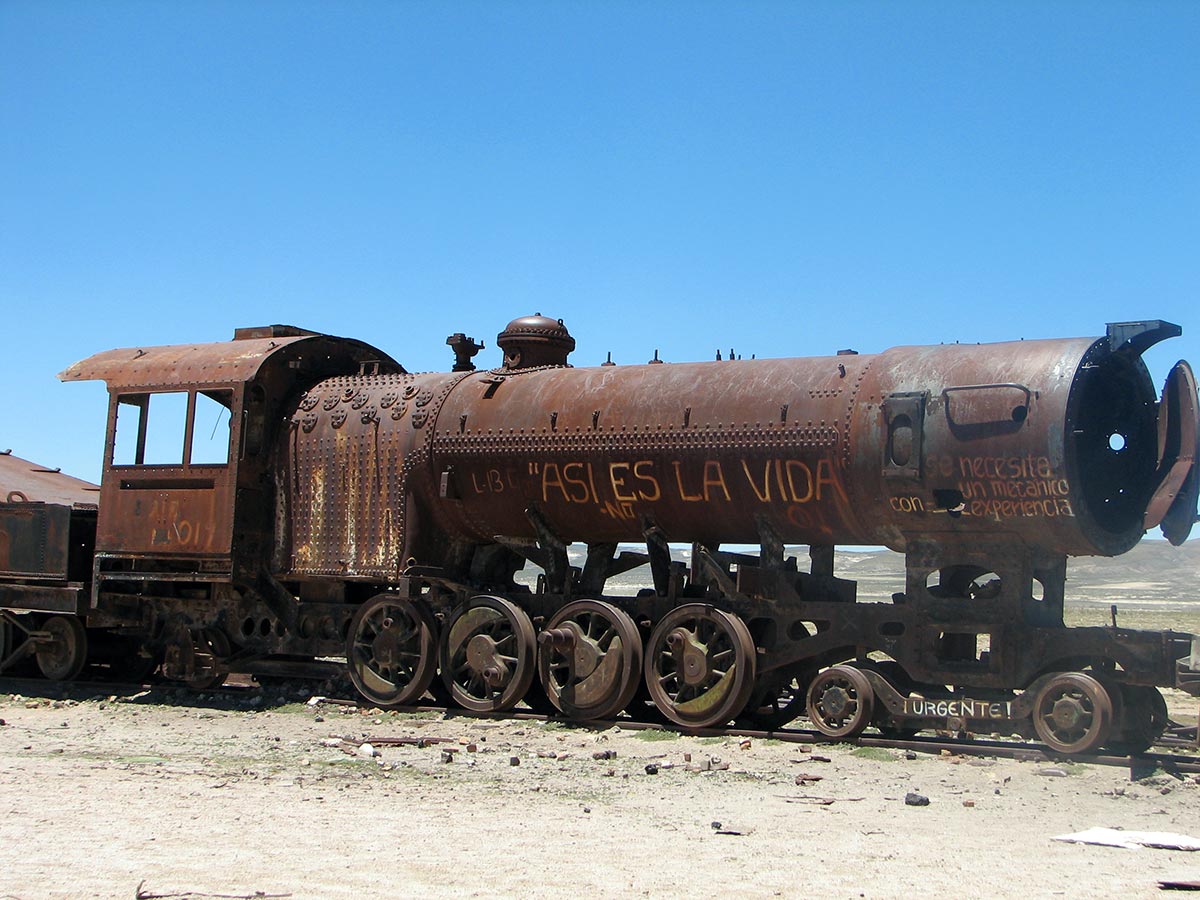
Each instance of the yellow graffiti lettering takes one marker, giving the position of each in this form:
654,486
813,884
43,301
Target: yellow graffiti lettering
618,481
683,494
764,495
576,481
793,466
552,478
618,510
714,477
656,493
826,476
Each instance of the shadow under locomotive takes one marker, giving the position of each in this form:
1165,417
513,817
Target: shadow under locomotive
287,496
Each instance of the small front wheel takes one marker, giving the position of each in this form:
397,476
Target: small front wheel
841,702
1073,713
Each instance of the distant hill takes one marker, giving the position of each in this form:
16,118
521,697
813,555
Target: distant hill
1154,585
1153,572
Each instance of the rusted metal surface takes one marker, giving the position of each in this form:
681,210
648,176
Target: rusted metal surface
22,481
176,505
356,508
47,536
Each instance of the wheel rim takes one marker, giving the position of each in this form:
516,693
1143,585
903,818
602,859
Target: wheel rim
65,654
590,659
391,650
1073,713
1142,718
778,698
841,702
488,654
213,643
700,666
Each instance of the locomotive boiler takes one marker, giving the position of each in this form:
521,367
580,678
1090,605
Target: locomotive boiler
353,508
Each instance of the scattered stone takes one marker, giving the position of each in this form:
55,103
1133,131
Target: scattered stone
969,804
366,751
651,769
2,723
803,779
687,757
745,744
1053,772
1029,756
912,798
910,754
318,718
587,809
514,760
472,748
547,754
604,754
447,756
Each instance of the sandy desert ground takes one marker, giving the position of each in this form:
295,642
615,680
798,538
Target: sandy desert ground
257,794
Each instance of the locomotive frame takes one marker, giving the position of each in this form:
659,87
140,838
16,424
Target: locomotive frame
355,509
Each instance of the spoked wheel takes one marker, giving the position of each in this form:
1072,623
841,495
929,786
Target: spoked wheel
700,665
488,654
590,659
129,660
391,650
1142,720
778,698
6,641
63,656
841,702
210,646
1073,713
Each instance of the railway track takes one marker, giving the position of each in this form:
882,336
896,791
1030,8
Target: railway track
1170,753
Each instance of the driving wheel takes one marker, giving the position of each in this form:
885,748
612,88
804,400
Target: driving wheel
488,654
700,665
778,698
1143,718
391,650
590,659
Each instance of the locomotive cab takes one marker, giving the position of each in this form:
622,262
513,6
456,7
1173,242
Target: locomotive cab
186,499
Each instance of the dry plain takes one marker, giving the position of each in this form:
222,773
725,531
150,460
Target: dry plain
257,793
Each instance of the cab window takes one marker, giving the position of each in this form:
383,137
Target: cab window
172,428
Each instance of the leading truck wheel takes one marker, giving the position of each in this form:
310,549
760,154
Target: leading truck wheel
841,702
1073,713
700,666
64,655
391,650
488,654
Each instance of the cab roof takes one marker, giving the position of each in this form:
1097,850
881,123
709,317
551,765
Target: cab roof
226,362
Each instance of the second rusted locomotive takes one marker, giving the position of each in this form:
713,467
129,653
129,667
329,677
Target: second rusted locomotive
343,506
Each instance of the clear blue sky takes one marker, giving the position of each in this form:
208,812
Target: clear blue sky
785,179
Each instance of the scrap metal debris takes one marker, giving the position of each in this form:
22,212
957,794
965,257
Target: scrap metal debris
142,894
1131,840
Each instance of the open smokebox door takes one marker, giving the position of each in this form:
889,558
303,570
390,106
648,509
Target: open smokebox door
1174,503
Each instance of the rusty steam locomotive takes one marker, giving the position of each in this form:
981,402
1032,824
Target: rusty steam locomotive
347,507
